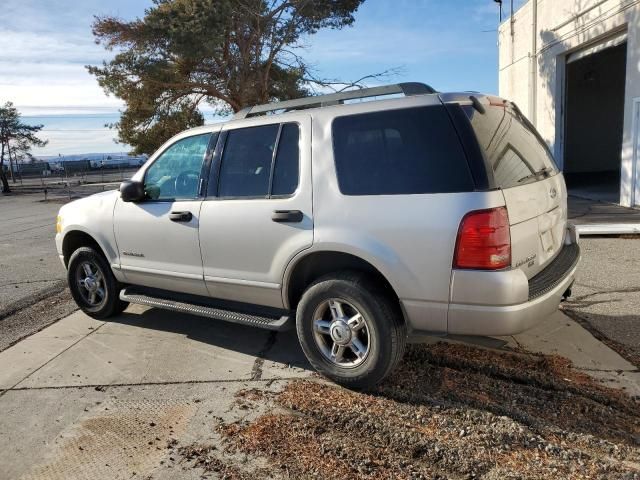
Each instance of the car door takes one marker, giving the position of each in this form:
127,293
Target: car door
157,238
258,213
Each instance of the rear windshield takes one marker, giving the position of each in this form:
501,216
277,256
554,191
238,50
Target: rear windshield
406,151
512,147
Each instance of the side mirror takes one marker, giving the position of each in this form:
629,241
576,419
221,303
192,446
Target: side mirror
131,191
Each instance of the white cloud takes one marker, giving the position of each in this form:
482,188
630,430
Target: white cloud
44,47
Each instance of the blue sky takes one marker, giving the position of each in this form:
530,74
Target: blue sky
44,45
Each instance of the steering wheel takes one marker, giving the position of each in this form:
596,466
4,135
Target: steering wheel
187,183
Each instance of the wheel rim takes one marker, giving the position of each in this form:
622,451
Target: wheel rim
91,284
341,333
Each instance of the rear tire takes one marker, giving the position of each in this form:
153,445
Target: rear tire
93,286
350,329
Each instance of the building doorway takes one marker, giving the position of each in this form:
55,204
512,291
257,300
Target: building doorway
594,117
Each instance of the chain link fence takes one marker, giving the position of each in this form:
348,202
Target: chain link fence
70,180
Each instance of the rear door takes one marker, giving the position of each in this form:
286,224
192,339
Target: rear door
533,188
258,214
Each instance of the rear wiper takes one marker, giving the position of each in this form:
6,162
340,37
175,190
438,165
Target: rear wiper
545,172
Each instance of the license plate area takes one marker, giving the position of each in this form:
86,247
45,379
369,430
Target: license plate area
546,238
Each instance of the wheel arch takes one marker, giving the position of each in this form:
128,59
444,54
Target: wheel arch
313,265
75,239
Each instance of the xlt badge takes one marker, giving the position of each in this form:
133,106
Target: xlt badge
529,260
133,254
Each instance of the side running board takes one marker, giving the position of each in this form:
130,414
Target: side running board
206,308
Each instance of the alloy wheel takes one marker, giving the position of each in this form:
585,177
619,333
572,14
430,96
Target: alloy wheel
341,333
91,283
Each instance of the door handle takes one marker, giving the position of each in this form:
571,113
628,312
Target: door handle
180,216
287,216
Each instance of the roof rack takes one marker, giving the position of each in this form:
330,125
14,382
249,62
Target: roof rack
408,89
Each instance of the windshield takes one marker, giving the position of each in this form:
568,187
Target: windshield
512,147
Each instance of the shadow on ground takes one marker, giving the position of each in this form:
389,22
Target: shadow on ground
280,347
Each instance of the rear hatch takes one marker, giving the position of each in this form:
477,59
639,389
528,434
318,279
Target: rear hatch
519,163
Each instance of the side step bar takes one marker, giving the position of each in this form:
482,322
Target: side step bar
210,310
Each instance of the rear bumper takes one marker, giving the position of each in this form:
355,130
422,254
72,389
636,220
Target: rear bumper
539,297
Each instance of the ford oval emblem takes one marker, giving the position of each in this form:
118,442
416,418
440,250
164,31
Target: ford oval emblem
553,193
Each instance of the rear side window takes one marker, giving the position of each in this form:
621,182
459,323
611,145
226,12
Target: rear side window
408,151
512,147
246,162
260,162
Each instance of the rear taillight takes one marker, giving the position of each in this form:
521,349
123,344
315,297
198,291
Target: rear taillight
484,240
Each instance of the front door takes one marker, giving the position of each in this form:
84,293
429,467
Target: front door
258,214
158,237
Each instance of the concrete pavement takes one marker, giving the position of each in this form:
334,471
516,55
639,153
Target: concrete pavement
73,390
606,295
91,399
560,335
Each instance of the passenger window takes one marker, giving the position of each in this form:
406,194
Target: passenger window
175,174
246,162
286,170
407,151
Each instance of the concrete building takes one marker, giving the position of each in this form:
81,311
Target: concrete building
573,67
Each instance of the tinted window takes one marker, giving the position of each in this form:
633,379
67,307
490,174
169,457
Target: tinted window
285,174
512,147
399,152
176,172
246,162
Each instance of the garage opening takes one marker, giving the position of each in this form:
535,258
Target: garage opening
594,114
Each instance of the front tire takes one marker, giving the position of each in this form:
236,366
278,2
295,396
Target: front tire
93,286
350,329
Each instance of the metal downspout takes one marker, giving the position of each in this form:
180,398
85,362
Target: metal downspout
533,86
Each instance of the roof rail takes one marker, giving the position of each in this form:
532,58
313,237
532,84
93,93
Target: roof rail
408,89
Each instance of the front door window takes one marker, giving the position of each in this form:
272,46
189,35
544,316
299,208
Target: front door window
175,174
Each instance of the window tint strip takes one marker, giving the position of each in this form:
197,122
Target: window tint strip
286,171
273,159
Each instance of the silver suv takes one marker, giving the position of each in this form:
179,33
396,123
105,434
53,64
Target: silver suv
365,223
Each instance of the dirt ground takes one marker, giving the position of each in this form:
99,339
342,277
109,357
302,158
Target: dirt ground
451,411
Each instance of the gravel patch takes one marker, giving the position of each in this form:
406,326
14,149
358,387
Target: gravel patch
451,411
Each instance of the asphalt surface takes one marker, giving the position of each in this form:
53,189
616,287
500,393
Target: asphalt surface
29,265
606,294
29,262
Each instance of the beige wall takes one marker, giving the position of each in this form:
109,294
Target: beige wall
564,27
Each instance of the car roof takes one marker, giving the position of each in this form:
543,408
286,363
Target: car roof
376,98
